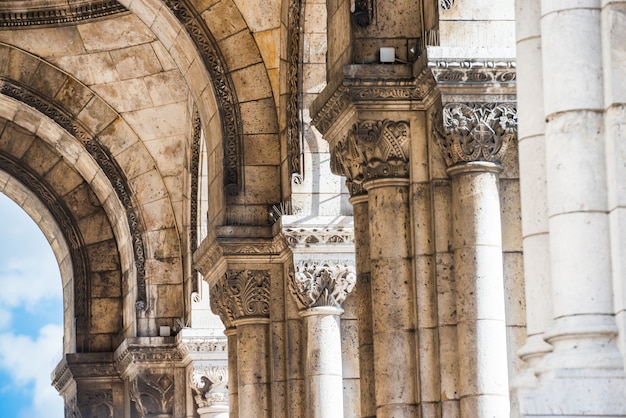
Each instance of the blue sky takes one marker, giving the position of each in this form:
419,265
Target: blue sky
31,309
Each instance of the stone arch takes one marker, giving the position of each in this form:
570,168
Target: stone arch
207,48
91,283
126,180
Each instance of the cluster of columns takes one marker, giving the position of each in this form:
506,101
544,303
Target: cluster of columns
571,114
386,157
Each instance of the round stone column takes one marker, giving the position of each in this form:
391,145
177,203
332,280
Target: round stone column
320,290
481,329
393,309
242,296
474,142
533,186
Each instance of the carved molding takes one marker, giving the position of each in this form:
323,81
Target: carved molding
195,171
338,102
223,87
153,394
372,150
318,236
103,158
474,72
210,385
276,246
294,123
141,355
241,294
321,284
60,14
204,345
468,132
376,85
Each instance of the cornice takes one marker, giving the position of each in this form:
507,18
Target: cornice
370,86
147,352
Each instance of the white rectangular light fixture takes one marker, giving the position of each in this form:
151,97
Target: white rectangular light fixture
387,54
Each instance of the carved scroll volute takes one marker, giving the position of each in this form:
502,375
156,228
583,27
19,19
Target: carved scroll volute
470,132
241,294
321,284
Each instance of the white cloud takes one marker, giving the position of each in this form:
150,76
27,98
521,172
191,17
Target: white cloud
28,362
28,268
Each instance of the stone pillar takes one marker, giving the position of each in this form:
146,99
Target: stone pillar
155,374
384,146
320,291
243,296
90,385
583,375
533,191
476,138
374,119
363,294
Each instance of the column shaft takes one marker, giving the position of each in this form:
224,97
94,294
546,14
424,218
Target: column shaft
481,329
233,401
364,296
323,362
393,298
253,367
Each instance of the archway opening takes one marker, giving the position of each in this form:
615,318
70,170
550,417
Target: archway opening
31,317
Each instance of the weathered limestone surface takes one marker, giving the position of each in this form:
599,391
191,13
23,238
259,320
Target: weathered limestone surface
255,216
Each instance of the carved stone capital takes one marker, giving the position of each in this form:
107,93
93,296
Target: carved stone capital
241,294
372,150
210,385
321,284
474,132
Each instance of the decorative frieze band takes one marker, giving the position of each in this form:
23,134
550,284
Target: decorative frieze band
241,294
322,284
60,13
473,72
468,132
372,150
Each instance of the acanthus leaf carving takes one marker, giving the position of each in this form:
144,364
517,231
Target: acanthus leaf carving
321,284
210,385
363,12
475,131
241,294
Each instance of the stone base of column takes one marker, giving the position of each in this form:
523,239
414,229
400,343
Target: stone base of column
213,411
583,376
